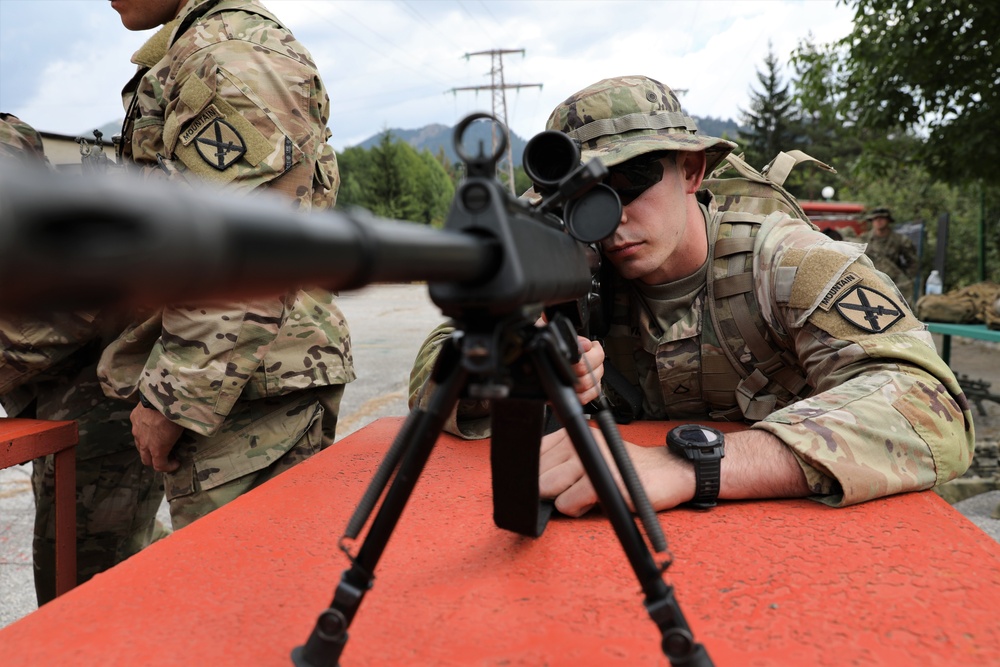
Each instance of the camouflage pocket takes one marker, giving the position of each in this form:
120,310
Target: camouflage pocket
255,435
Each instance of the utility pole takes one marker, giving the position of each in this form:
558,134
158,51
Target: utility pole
499,88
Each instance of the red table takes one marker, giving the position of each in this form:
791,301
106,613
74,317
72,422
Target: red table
902,581
22,440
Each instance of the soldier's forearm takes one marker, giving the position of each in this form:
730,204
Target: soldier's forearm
759,465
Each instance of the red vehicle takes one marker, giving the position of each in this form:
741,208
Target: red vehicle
835,214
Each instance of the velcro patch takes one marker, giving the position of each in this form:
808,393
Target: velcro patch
818,271
845,281
868,309
220,144
199,123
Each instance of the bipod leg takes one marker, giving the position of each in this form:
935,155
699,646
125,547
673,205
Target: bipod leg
414,445
677,641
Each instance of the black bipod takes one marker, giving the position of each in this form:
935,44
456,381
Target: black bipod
469,364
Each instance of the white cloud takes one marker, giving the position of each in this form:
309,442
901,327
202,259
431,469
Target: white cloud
390,64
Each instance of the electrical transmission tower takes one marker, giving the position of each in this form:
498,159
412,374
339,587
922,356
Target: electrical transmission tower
499,88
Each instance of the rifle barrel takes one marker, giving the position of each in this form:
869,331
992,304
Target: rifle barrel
82,241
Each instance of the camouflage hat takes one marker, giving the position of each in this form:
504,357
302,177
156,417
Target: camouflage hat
880,212
621,118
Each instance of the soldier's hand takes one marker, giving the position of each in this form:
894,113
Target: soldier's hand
589,370
668,481
155,436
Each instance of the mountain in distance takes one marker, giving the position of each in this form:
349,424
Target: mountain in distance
436,137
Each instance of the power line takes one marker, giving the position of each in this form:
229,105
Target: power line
499,87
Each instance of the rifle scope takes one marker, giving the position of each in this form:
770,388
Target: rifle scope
591,210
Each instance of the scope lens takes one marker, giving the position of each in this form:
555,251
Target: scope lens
594,216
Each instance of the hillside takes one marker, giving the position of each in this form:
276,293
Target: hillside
437,137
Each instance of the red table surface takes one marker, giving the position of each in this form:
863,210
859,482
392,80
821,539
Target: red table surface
901,581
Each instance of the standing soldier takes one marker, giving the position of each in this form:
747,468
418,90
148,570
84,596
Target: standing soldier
228,395
892,253
48,371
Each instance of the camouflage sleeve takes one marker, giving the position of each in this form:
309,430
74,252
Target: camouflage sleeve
239,113
20,141
886,415
471,418
204,357
31,346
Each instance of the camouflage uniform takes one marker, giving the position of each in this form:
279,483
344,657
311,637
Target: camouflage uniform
895,256
224,93
48,371
881,412
20,141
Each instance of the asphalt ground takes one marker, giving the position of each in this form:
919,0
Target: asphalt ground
388,324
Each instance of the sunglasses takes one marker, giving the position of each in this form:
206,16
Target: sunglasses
630,179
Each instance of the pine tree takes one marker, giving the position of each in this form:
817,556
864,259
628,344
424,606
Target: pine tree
772,122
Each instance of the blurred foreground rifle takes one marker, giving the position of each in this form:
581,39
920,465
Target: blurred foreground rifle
495,267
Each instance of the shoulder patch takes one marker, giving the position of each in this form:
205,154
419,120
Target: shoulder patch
199,123
220,144
868,309
845,281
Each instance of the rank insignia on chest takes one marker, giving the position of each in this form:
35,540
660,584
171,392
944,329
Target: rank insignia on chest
868,309
220,144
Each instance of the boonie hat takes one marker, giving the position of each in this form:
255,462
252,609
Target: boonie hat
880,212
624,117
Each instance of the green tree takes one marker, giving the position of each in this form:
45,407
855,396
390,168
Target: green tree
393,181
917,83
928,67
434,190
771,124
521,181
354,164
390,186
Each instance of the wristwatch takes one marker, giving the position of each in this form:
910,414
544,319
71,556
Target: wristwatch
704,447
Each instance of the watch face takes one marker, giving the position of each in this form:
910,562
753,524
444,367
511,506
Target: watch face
695,435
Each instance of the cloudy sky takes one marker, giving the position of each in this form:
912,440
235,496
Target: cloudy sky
394,63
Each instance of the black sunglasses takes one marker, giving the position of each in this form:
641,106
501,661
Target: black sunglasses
630,179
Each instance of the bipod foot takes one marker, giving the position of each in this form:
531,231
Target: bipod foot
325,644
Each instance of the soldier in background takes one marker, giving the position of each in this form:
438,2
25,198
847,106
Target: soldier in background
228,395
846,395
48,370
892,253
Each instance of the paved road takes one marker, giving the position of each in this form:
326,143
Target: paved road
388,324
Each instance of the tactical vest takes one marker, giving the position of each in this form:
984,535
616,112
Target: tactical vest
745,374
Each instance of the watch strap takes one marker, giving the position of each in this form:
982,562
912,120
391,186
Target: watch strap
708,478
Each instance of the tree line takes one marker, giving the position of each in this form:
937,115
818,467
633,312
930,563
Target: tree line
394,180
905,108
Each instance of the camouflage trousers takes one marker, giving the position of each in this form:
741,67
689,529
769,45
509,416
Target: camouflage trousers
116,496
259,440
117,500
